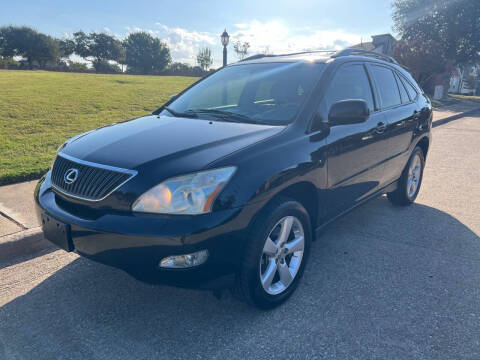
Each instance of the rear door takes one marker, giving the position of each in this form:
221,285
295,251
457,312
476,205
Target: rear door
356,151
400,112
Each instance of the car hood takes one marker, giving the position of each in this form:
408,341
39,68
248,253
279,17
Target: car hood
138,142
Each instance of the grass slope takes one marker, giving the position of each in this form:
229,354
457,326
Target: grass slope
40,110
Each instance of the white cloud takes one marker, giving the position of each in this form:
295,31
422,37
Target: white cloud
184,44
278,38
273,36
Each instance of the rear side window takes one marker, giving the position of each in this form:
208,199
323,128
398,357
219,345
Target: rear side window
387,86
350,82
403,92
411,90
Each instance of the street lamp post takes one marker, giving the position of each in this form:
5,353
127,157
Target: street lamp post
225,38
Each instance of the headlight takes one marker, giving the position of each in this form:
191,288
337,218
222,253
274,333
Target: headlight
189,194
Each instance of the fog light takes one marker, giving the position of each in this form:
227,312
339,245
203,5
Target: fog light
184,261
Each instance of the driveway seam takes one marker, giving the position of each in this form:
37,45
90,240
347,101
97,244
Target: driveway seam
5,215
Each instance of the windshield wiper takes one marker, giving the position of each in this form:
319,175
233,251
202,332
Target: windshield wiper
180,114
224,115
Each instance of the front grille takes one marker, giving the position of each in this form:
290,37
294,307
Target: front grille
94,182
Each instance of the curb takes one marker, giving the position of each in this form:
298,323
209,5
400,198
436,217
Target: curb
454,117
22,243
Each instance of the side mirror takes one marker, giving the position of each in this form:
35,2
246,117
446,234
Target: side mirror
347,112
319,125
173,96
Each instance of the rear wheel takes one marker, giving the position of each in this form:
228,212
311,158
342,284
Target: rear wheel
276,255
410,181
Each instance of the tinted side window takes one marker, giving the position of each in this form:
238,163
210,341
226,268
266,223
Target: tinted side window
350,82
403,92
411,90
387,86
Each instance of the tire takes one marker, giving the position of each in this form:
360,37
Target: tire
410,181
280,257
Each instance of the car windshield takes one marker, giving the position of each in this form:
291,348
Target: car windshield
269,93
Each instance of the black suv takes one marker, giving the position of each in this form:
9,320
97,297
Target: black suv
229,181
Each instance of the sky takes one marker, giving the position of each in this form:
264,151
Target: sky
273,26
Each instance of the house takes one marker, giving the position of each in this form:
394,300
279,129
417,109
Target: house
464,80
382,44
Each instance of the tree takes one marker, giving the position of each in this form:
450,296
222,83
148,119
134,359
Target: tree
81,44
241,49
29,44
423,60
181,69
3,43
145,54
204,58
8,41
122,59
99,48
44,49
452,26
67,47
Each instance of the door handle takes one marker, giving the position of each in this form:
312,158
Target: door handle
381,127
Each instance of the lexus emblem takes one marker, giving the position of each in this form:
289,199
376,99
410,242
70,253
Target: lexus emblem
71,175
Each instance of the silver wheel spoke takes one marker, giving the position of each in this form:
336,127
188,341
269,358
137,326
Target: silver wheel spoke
295,245
285,231
285,274
269,274
270,247
274,258
414,173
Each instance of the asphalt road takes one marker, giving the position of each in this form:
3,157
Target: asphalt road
382,283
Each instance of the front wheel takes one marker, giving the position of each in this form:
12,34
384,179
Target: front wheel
410,181
276,254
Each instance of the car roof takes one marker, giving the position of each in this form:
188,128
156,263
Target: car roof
312,56
321,56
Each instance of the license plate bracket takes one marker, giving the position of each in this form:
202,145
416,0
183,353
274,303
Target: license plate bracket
57,232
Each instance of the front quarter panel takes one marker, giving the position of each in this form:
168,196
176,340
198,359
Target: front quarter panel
269,167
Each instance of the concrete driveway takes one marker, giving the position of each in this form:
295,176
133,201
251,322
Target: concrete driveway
382,283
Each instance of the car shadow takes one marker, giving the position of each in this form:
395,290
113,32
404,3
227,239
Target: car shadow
382,280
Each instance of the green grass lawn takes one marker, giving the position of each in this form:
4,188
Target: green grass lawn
465,97
40,110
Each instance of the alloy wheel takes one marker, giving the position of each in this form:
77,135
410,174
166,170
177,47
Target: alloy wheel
414,175
282,255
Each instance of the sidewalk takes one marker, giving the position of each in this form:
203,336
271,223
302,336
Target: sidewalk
20,232
454,111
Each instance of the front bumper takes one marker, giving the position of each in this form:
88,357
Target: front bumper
137,242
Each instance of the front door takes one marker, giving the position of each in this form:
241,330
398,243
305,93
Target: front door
355,152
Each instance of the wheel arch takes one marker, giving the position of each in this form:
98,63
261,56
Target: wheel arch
306,194
424,144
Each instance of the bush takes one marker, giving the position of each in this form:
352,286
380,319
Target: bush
8,63
79,67
181,69
104,67
59,66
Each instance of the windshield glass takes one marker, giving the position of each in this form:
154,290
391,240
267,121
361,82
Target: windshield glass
270,93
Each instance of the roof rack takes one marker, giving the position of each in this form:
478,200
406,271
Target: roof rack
259,56
335,54
347,52
256,56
